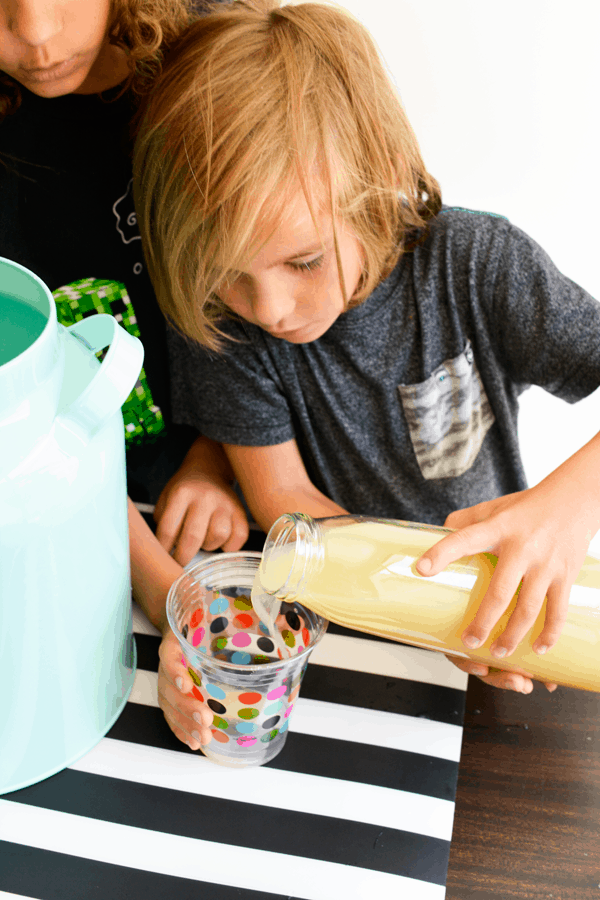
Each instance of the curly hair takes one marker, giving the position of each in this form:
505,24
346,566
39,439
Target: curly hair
145,29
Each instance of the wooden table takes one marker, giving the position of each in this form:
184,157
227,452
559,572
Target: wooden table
527,817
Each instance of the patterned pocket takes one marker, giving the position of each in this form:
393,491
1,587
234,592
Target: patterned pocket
448,417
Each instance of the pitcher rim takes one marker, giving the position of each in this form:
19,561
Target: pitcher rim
49,321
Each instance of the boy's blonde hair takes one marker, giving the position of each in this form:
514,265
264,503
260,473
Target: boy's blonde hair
257,100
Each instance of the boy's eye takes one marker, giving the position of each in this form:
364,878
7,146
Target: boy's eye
308,266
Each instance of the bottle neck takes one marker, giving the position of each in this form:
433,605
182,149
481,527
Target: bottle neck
292,554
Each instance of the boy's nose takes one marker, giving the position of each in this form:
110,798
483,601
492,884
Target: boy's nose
35,22
271,305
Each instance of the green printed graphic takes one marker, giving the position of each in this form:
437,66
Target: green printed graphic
143,420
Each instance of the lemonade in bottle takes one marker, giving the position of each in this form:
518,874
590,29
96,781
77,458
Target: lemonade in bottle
360,572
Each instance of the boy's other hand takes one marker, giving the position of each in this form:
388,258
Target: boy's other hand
198,507
196,512
509,681
188,717
540,536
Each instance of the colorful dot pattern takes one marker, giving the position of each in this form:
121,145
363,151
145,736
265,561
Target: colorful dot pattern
246,718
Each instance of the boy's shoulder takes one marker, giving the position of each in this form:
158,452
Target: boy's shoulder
479,234
472,231
459,218
461,213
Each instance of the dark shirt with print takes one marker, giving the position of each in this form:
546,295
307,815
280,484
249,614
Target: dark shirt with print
407,406
67,213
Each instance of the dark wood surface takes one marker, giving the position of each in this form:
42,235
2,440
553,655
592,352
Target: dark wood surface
527,821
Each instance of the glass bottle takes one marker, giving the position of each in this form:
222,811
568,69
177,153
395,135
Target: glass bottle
360,572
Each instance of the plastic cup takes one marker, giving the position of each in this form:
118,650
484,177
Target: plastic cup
248,682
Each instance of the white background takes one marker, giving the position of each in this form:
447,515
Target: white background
505,101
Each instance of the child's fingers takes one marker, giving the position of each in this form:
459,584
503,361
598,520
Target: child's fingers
169,521
501,590
189,723
192,534
527,609
474,538
510,681
468,666
186,714
557,609
529,604
209,527
187,704
218,530
239,532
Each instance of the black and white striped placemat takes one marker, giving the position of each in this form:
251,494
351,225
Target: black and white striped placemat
358,805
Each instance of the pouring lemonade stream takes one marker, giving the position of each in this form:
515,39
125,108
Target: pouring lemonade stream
360,572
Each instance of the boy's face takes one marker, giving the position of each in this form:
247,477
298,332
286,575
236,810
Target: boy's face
291,288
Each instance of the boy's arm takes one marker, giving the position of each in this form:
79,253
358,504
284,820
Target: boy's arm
198,506
274,481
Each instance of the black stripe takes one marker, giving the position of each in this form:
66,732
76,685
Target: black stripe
147,651
345,760
348,761
241,824
385,693
57,876
362,689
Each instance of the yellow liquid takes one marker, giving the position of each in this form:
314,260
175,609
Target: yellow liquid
368,582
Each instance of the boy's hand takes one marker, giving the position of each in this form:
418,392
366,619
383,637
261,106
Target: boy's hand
510,681
194,512
187,717
198,508
540,536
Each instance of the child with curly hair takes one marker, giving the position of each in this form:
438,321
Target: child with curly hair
72,73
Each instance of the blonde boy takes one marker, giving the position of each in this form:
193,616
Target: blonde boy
354,344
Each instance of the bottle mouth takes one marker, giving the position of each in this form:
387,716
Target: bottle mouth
291,548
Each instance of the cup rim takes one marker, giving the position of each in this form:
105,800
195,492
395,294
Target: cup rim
237,667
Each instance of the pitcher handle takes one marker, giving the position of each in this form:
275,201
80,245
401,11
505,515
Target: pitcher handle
113,380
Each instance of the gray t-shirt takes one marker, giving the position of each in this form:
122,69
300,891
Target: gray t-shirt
407,406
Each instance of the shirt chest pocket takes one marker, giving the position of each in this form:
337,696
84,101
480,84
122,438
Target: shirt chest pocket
448,417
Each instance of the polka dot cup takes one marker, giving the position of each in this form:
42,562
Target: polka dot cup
248,677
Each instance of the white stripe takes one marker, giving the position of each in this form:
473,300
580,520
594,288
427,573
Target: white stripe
348,723
384,807
4,895
363,655
215,863
393,660
377,728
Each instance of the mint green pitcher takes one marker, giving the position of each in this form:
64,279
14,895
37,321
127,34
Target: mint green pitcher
67,656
